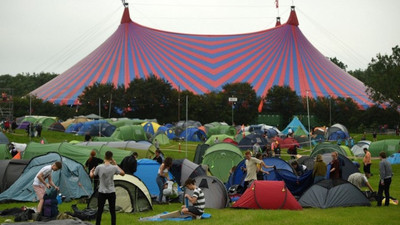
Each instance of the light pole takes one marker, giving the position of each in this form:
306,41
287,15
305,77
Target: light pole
232,100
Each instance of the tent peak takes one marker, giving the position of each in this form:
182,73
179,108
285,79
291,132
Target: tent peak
125,17
293,17
278,21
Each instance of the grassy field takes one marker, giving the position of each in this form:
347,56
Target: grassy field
345,215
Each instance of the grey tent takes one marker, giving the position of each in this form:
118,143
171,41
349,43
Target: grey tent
307,161
72,179
3,138
214,191
347,167
132,195
182,169
10,171
358,148
200,150
333,193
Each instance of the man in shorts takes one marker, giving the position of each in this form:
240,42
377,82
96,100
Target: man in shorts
40,185
197,199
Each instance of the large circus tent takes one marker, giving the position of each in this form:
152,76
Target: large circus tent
280,56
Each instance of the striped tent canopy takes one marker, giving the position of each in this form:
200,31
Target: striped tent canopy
202,63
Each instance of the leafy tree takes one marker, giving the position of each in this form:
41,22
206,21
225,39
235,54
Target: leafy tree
283,101
245,109
150,98
338,63
22,84
359,74
383,78
105,92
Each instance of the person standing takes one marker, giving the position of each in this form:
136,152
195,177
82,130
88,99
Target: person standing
106,190
385,173
129,163
163,176
39,129
256,149
251,168
374,134
367,163
334,173
319,171
91,163
40,185
197,199
158,157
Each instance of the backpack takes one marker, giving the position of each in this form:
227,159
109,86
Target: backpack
50,205
86,214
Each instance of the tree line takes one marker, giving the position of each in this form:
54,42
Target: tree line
156,98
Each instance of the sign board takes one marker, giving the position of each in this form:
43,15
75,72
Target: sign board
232,99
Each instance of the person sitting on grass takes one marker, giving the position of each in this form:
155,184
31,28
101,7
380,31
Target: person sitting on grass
197,199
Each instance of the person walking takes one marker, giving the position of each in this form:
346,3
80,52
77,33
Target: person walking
385,173
251,168
106,190
162,177
367,163
40,184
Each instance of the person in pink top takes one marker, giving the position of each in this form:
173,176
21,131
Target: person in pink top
367,163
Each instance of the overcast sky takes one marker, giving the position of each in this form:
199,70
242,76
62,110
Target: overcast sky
53,35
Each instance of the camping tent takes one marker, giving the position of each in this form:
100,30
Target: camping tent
130,133
45,121
10,171
221,138
287,142
75,152
394,159
57,127
143,148
4,152
326,147
294,125
267,195
347,167
132,195
248,141
237,176
3,138
150,127
390,146
221,129
161,138
147,171
182,169
296,184
72,179
358,148
333,193
307,161
220,158
214,191
200,150
193,134
334,128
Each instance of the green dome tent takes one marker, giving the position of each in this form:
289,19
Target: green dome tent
325,147
390,146
4,152
161,138
221,129
46,122
220,158
75,152
130,132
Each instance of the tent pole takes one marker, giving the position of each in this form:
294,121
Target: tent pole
308,115
187,115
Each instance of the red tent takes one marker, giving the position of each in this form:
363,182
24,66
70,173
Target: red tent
267,195
230,140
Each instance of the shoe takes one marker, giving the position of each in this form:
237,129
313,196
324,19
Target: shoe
198,217
36,217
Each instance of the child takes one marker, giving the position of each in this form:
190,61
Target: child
197,199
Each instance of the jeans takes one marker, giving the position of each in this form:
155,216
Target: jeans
384,187
160,182
101,200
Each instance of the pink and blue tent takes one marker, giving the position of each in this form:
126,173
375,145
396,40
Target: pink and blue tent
280,56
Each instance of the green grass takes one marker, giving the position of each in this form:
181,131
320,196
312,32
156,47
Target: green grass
345,215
